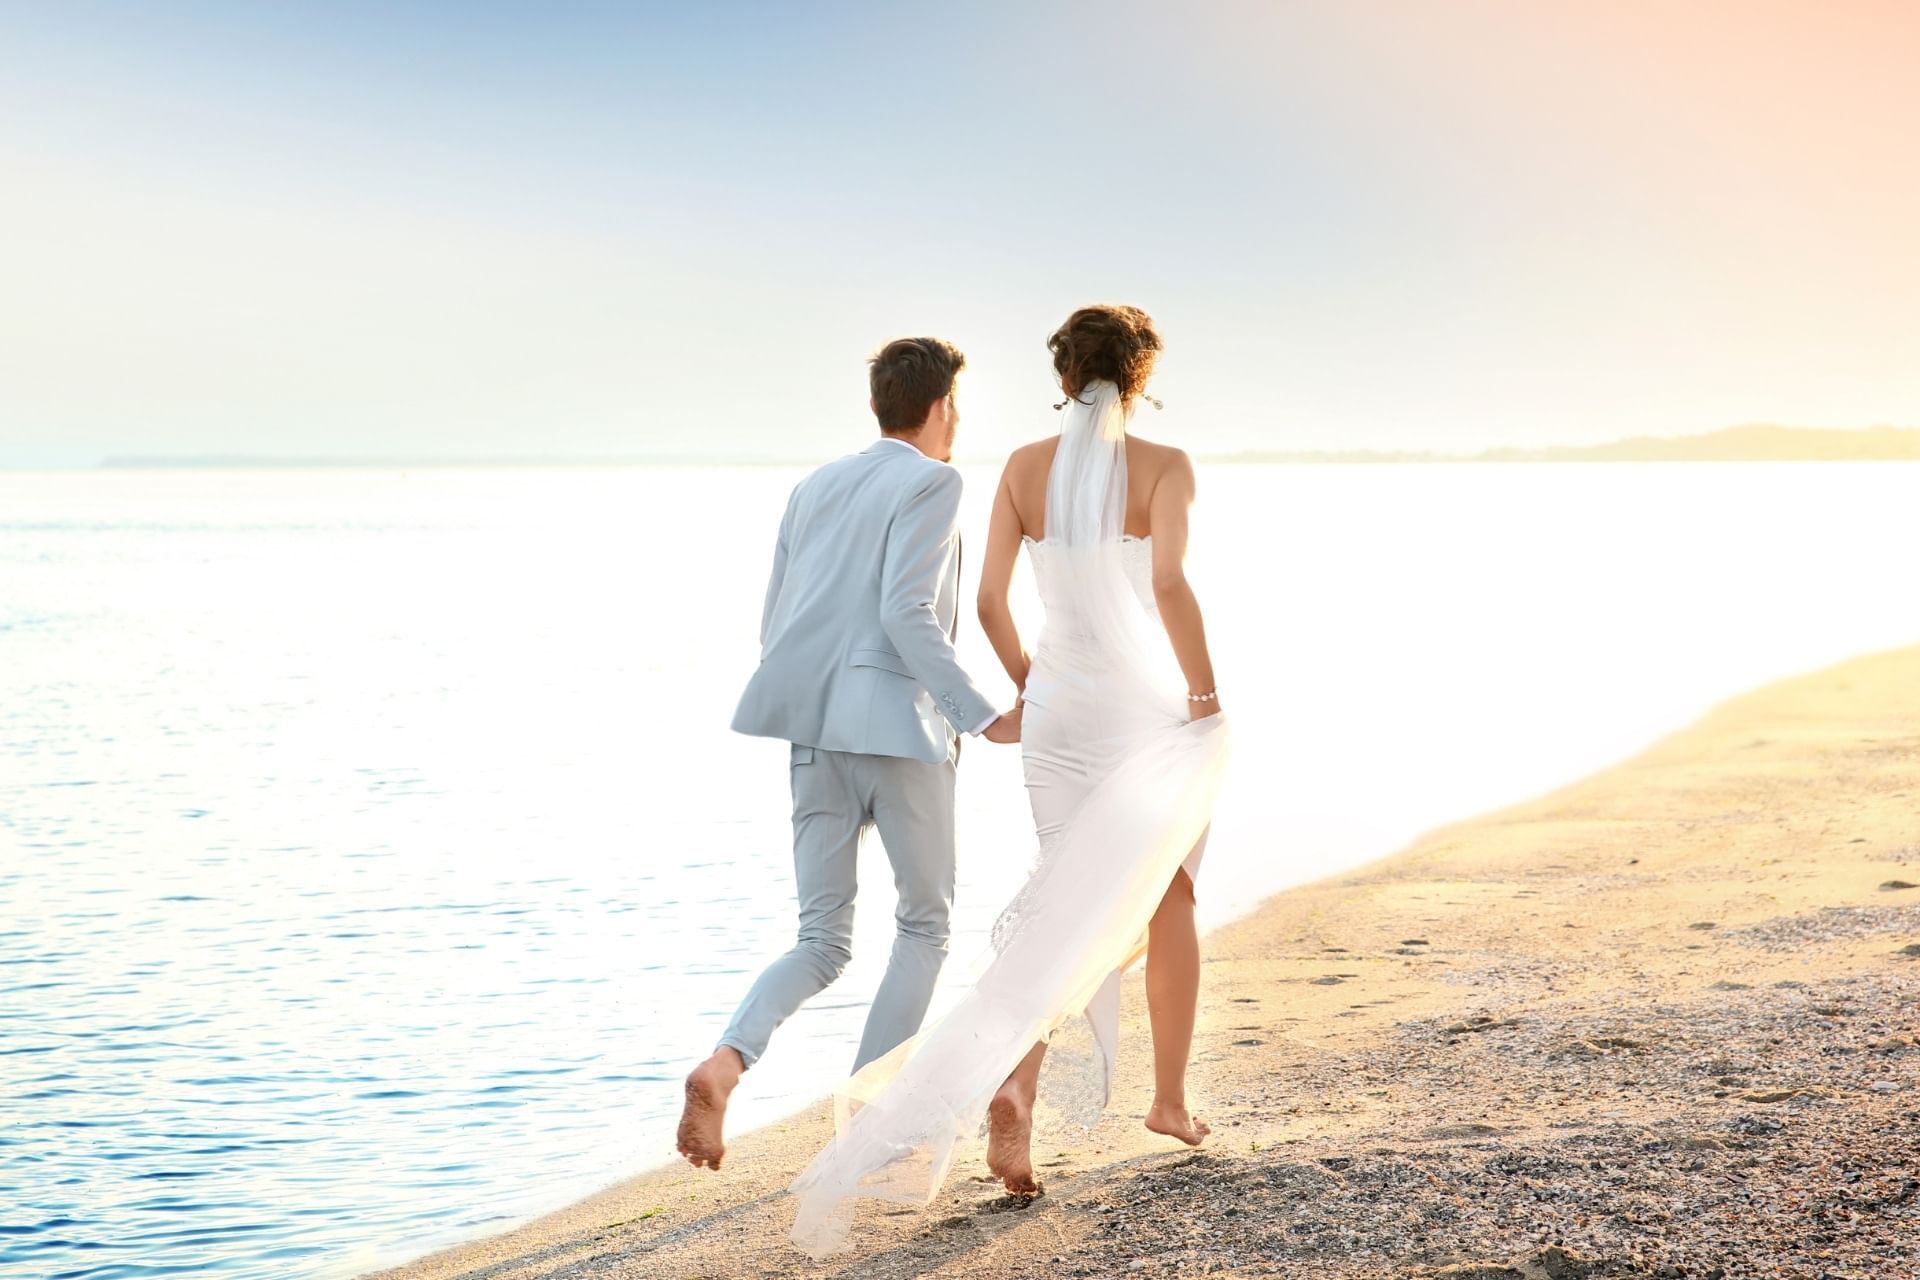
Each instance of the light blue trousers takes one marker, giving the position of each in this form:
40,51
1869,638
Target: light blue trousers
837,795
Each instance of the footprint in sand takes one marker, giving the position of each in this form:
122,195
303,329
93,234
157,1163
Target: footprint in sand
1454,1132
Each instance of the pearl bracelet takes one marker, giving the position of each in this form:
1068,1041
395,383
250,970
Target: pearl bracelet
1211,695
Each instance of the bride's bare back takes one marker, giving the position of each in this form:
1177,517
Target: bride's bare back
1027,470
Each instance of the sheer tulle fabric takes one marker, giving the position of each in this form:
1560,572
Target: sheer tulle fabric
1082,916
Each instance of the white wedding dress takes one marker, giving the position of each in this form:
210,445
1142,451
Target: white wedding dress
1122,785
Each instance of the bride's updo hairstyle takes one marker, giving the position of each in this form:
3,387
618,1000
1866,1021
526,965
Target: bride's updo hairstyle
1114,343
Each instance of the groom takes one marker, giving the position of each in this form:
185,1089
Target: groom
857,672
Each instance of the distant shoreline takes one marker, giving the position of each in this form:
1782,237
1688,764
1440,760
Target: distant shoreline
1733,444
253,462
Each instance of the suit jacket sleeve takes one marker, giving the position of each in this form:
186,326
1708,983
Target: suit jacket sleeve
920,546
779,572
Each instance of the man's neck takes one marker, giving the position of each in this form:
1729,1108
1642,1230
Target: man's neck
912,442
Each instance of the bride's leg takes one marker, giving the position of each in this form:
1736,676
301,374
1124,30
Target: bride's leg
1010,1126
1173,993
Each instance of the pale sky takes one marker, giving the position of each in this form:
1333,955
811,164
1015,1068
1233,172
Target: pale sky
613,229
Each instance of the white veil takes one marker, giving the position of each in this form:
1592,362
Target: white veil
1082,916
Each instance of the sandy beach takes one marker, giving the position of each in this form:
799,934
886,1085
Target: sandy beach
1660,1023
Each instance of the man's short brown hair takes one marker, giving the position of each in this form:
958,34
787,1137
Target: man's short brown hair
907,376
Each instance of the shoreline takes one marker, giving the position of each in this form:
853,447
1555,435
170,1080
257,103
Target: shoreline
1656,1022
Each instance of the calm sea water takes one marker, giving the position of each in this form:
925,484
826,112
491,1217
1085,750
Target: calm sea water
374,856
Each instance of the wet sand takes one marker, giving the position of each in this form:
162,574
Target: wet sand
1659,1023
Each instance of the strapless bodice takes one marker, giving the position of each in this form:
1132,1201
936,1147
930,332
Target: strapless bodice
1135,553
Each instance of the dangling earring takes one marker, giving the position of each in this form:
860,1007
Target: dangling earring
1061,405
1152,401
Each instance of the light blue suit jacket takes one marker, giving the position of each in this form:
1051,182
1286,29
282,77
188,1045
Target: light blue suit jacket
856,639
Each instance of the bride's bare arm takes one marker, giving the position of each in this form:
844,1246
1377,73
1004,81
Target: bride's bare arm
1179,608
996,575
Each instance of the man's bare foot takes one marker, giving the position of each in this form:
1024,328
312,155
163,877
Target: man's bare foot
709,1086
1009,1140
1176,1123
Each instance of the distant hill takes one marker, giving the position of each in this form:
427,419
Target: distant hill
1739,444
1733,444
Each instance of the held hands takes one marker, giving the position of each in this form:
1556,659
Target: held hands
1005,729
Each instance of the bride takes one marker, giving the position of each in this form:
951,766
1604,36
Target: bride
1121,772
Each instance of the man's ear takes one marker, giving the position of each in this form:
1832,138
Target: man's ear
873,406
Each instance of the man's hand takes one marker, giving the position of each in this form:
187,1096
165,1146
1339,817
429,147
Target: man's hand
1005,729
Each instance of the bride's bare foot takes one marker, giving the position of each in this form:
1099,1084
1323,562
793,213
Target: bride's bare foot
1009,1140
709,1086
1176,1123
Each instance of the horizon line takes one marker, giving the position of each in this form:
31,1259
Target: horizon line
247,461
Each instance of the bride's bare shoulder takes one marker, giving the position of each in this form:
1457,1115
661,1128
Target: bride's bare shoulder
1032,457
1145,455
